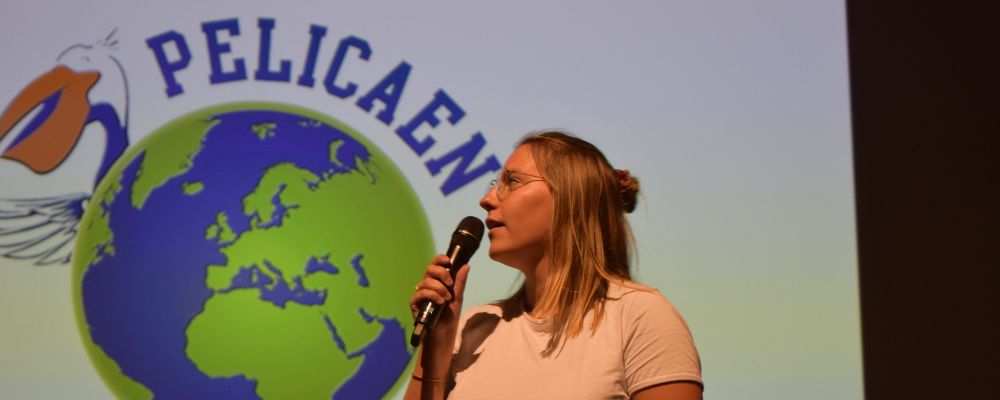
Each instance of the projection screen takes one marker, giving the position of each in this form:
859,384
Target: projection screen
733,115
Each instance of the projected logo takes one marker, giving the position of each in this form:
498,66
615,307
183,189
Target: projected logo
250,250
246,250
42,230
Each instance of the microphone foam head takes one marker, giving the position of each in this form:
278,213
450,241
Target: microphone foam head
469,233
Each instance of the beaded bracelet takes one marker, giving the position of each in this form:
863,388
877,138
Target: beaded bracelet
422,379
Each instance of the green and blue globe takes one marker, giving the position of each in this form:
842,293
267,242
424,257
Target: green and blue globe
250,250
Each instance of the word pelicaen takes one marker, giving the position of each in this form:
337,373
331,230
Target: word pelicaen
173,55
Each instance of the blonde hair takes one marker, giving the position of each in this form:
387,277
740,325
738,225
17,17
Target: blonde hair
591,241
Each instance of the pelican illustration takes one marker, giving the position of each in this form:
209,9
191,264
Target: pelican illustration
42,230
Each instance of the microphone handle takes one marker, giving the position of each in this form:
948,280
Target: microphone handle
430,312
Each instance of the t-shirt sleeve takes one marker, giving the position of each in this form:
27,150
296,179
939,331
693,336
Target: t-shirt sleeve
658,344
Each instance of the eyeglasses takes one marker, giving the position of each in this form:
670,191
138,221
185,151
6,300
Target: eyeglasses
509,180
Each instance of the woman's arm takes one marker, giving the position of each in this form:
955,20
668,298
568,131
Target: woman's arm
423,385
429,380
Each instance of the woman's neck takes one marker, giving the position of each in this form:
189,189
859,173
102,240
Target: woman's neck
535,282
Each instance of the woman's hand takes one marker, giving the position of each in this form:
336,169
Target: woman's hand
435,354
438,287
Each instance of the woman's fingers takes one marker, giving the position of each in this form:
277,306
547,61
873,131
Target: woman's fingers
438,273
435,286
439,269
460,278
438,285
434,289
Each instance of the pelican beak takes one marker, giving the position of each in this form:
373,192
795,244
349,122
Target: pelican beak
54,131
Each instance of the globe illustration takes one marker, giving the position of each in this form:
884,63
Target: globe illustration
247,251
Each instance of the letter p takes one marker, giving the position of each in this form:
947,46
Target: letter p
167,67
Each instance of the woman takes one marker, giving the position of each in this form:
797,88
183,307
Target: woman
578,328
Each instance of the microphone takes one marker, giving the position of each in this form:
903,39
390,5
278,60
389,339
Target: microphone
464,243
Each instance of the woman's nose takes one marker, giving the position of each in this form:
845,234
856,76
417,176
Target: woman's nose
489,201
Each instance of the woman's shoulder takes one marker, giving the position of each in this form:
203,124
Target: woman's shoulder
633,297
632,290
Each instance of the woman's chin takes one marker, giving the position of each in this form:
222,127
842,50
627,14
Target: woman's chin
514,259
495,254
500,255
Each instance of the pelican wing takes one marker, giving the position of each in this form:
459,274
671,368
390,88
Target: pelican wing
41,230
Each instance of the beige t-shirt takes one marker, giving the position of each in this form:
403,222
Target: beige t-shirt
642,342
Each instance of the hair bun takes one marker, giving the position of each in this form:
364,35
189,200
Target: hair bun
628,189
